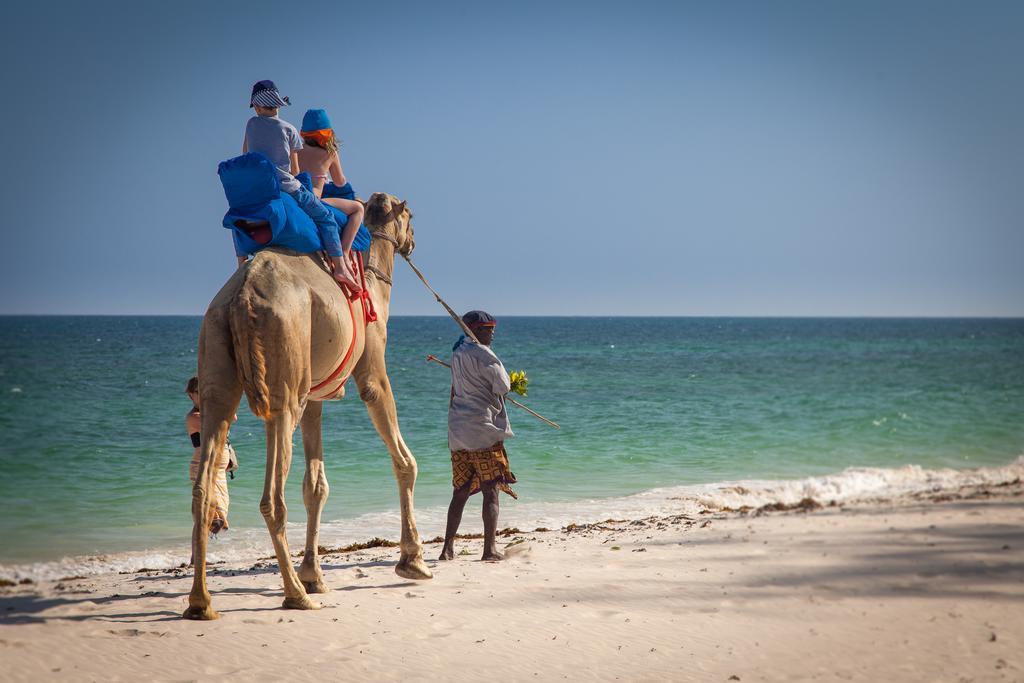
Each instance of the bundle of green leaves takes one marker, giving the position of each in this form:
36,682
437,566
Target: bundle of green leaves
518,380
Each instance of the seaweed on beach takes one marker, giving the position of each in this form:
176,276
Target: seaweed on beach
507,531
805,505
375,542
596,526
440,539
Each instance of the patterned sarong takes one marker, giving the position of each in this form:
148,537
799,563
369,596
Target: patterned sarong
219,499
485,466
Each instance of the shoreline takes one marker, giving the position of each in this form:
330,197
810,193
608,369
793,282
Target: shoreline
849,486
927,586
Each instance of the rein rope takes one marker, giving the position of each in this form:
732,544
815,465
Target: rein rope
372,268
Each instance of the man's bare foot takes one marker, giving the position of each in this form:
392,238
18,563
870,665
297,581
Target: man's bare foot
447,553
492,556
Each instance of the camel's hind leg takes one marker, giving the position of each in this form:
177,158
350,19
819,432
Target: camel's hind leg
219,395
314,495
280,427
375,390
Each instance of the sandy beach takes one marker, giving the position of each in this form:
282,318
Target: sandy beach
922,588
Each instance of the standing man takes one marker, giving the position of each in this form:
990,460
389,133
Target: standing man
477,429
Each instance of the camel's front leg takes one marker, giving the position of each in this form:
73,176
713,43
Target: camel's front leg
280,427
220,391
314,495
199,601
375,390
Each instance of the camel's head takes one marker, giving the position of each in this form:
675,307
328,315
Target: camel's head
386,215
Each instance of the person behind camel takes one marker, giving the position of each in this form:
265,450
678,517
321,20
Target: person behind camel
226,462
477,429
278,140
319,158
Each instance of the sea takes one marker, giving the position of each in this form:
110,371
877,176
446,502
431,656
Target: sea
656,415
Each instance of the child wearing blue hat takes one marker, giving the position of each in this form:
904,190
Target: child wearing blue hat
279,141
319,157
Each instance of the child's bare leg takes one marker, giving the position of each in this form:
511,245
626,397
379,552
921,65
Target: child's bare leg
354,211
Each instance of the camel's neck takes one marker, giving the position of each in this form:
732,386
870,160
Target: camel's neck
380,258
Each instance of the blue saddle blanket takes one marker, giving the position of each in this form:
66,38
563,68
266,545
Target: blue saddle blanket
254,193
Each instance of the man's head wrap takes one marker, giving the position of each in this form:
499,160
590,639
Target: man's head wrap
475,319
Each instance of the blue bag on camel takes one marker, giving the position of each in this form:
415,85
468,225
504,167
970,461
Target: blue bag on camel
261,215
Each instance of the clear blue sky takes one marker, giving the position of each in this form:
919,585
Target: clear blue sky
713,158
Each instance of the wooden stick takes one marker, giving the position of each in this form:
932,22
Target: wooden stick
455,316
468,332
507,398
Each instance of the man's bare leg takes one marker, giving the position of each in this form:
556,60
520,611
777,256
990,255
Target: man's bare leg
491,506
455,508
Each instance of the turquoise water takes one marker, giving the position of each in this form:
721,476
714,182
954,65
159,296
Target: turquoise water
95,456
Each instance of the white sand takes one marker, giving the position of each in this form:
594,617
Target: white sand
928,589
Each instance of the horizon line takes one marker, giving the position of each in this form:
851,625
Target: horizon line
813,316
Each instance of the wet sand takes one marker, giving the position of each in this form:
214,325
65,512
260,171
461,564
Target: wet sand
925,588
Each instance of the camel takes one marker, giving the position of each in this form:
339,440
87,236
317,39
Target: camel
275,331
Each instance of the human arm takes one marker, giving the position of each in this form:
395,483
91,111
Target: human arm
193,423
337,175
294,145
495,372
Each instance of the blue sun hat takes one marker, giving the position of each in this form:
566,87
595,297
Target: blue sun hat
314,120
265,94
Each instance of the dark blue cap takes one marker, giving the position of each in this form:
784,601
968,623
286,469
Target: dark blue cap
262,85
479,318
264,94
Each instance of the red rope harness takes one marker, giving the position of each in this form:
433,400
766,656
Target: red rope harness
369,316
369,313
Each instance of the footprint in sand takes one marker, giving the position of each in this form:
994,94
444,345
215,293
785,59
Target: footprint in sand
220,671
519,551
441,629
136,633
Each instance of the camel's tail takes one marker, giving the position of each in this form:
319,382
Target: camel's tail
249,356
